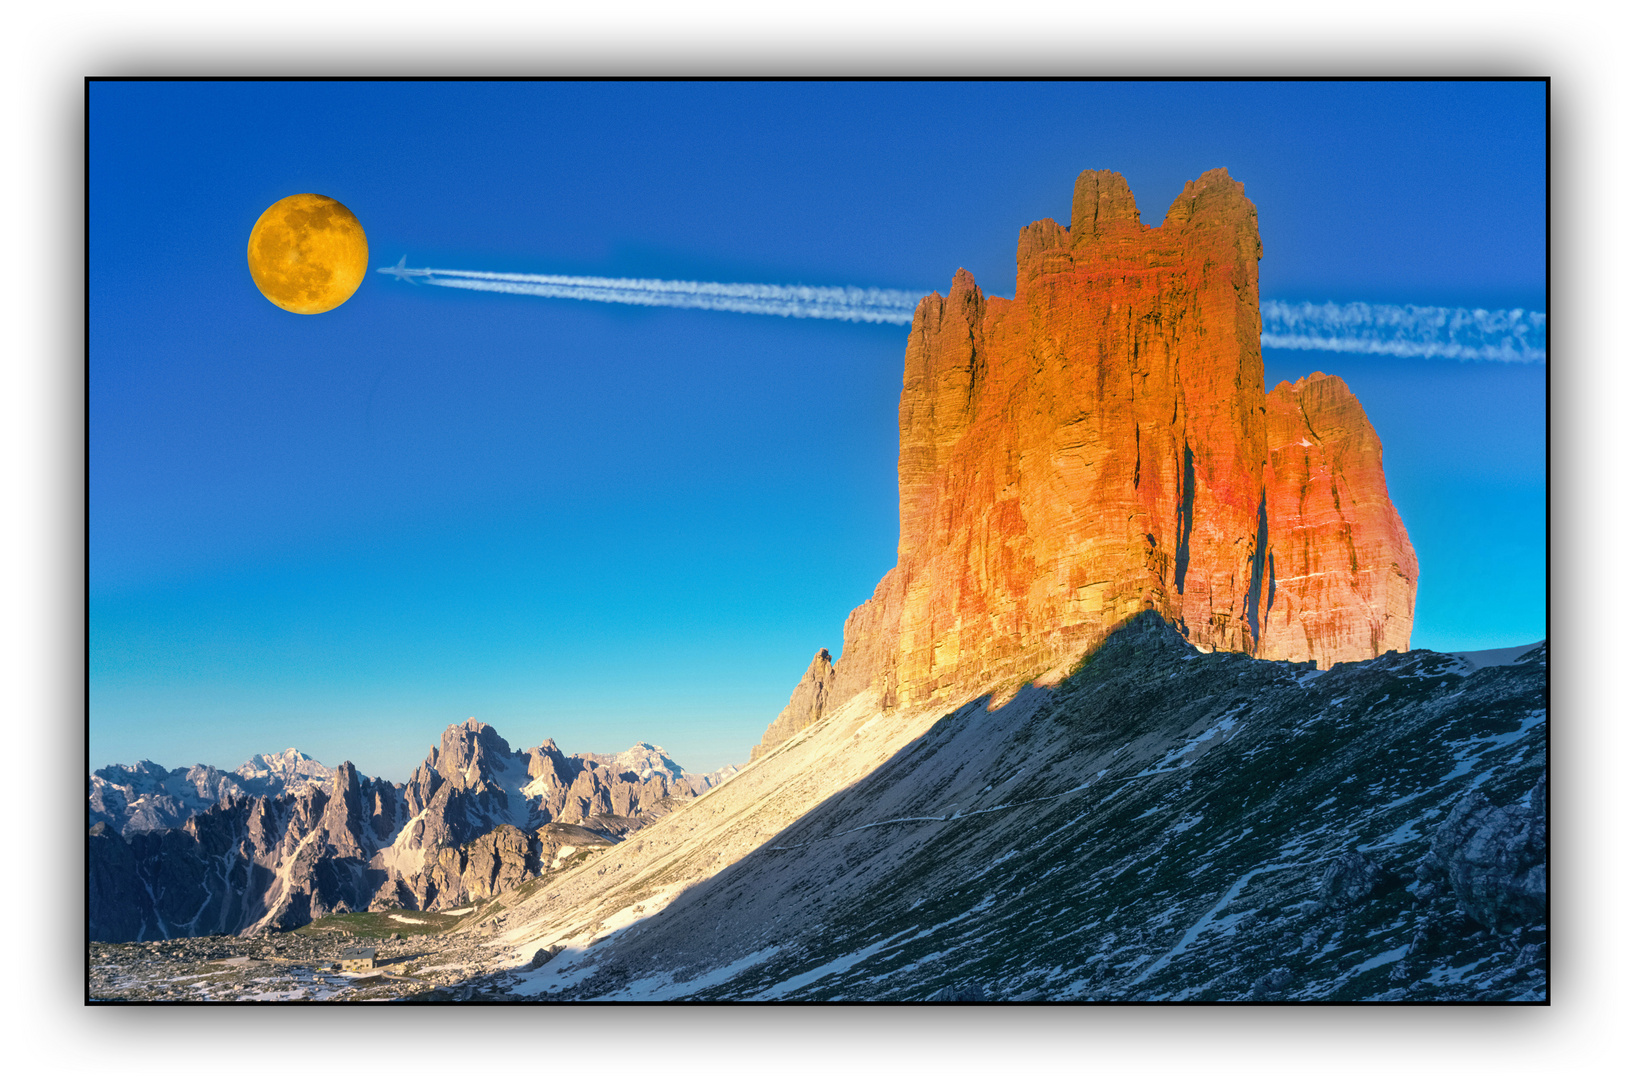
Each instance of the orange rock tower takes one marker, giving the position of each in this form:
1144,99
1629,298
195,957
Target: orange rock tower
1102,444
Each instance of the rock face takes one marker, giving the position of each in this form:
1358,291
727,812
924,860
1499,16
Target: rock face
1494,858
1102,445
1350,879
1341,573
477,813
193,852
806,704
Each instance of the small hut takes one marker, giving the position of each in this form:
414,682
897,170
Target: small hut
358,960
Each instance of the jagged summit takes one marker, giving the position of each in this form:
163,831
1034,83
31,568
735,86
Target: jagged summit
287,839
288,763
148,796
807,703
644,760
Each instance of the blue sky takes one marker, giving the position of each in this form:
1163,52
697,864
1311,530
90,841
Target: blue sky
601,524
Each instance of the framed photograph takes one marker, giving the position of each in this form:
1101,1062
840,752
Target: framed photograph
983,542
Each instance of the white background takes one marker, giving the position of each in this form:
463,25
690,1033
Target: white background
48,49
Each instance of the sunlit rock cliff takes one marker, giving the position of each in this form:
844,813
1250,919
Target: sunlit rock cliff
1102,445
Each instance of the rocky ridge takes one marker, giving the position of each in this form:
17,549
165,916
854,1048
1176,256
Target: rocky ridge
1160,825
1102,445
145,796
284,840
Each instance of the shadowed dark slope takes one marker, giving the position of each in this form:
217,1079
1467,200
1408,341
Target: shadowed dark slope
1163,825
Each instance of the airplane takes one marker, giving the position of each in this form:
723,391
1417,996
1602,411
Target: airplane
402,273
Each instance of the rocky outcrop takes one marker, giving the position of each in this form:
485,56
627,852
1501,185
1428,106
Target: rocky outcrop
1102,445
489,865
475,819
1494,858
806,704
1350,879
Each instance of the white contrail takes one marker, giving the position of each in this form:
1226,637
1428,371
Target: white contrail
1383,329
1516,336
793,301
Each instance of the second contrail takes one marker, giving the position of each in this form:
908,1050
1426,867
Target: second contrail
1381,329
1401,330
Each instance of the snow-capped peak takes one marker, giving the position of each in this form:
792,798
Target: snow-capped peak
287,765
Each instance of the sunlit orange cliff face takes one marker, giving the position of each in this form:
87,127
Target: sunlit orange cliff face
1103,444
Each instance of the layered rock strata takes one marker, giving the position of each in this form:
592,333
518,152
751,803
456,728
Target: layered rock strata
1341,573
1102,445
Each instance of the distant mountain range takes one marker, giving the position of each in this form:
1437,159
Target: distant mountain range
145,796
284,839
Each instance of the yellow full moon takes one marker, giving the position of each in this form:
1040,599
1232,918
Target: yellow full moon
308,254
